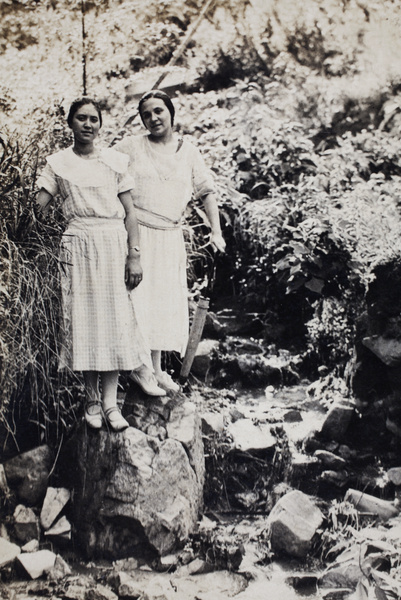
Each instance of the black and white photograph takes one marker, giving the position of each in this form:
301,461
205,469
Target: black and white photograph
200,299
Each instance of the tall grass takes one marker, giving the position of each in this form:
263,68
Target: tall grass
37,402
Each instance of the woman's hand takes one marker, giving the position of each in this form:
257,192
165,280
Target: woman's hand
218,242
133,272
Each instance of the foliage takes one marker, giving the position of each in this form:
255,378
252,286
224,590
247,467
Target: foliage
298,136
309,223
32,389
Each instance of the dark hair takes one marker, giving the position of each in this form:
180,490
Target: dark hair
162,96
78,103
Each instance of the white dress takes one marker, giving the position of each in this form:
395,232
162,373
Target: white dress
100,332
164,184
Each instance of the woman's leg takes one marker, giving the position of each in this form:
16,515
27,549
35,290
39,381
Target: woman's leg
93,412
91,380
157,361
163,379
109,383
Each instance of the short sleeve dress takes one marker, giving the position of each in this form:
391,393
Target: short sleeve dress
100,331
164,184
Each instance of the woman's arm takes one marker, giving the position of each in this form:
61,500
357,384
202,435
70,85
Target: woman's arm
43,202
212,212
133,269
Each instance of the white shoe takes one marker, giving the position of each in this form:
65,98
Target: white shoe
164,380
147,381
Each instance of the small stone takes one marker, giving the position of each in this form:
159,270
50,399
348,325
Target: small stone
394,475
330,460
128,587
61,528
54,502
37,563
196,567
338,478
8,552
293,416
26,524
59,570
203,357
126,564
32,546
100,592
212,423
4,489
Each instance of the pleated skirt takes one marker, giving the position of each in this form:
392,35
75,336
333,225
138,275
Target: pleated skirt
100,331
161,299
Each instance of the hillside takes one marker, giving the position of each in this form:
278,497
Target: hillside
296,108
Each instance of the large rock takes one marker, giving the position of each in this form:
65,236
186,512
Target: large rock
137,494
337,421
383,509
28,474
293,523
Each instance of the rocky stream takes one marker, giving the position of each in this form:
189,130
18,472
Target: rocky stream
250,483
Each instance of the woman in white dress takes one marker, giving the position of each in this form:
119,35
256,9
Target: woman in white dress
167,171
98,268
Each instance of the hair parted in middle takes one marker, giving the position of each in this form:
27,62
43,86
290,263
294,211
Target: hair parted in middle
161,96
78,103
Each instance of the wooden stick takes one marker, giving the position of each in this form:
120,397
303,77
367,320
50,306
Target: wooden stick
194,336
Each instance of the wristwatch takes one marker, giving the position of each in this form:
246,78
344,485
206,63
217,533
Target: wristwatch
136,248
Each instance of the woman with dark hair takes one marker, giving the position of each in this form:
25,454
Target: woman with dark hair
167,171
98,266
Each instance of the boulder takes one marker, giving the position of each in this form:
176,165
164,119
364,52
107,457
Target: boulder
28,474
293,524
248,437
388,350
337,421
135,494
203,358
384,509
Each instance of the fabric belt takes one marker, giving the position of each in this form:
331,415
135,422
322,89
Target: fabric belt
100,222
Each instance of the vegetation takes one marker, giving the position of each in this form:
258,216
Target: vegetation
295,111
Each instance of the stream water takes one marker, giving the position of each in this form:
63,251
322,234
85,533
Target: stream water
299,413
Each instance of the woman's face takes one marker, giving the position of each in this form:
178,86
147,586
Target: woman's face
85,124
156,117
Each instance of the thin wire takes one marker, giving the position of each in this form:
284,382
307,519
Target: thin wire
83,47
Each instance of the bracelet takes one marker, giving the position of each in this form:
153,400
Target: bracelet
136,248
